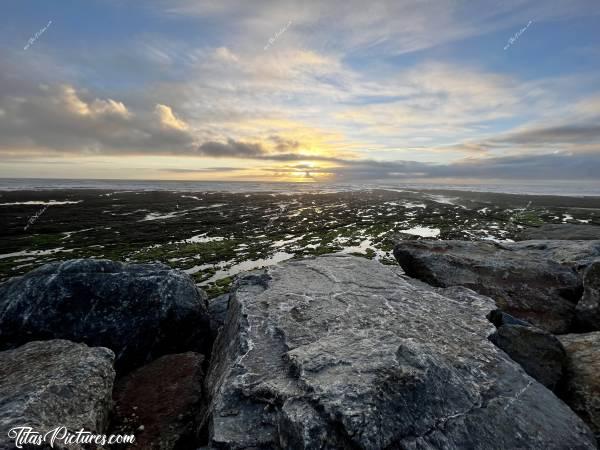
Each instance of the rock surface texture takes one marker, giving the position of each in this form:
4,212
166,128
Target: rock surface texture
342,352
55,383
540,353
138,311
582,379
588,308
164,397
532,280
217,309
562,231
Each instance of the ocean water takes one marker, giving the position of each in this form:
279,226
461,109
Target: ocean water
562,188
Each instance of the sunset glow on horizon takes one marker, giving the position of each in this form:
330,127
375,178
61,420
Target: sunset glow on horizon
300,91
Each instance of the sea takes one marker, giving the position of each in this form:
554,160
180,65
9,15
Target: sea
561,188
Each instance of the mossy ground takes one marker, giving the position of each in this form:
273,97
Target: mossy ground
233,228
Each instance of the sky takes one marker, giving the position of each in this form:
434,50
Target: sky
336,90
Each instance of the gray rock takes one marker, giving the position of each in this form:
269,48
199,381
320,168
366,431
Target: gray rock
217,309
499,318
341,352
463,294
582,379
577,254
561,231
588,308
525,278
55,383
140,311
540,353
159,403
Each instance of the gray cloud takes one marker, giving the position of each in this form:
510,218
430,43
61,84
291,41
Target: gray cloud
282,145
559,166
563,166
562,134
568,136
231,149
545,166
60,119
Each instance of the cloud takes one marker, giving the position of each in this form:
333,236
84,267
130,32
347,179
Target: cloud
62,119
283,150
564,137
560,134
202,170
283,144
226,55
559,166
231,149
332,91
549,166
382,27
68,99
168,119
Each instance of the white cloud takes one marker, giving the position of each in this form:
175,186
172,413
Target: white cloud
168,119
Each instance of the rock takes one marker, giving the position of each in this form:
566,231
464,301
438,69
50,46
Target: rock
341,352
582,380
577,254
519,277
539,353
464,295
499,318
55,383
217,309
561,231
140,311
588,308
161,401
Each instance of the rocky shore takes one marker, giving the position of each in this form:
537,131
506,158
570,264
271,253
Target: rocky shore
464,344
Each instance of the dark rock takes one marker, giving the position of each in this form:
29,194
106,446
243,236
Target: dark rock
537,351
588,308
499,318
561,231
55,383
341,352
576,254
521,277
140,311
164,397
217,309
582,377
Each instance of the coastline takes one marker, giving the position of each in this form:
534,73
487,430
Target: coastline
213,235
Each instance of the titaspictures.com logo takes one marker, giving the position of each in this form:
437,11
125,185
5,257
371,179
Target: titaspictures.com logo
61,436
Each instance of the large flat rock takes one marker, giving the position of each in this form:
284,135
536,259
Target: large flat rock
55,383
533,280
342,352
140,311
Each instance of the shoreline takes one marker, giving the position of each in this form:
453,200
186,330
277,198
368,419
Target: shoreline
555,189
213,235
